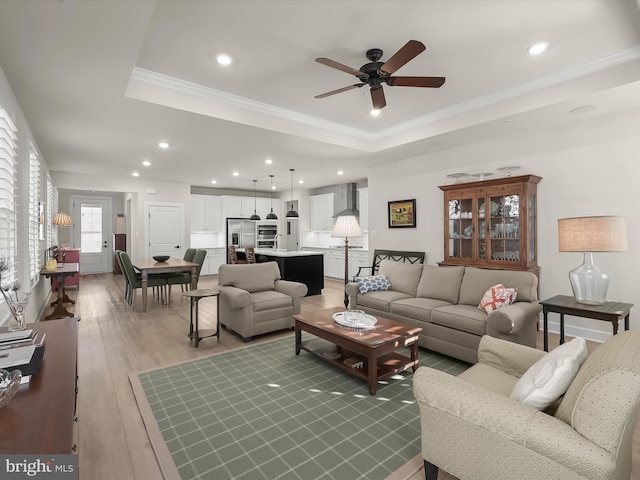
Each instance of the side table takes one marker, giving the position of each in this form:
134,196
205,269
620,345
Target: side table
564,305
195,333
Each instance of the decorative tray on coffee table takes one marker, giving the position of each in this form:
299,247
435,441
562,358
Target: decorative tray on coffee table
354,319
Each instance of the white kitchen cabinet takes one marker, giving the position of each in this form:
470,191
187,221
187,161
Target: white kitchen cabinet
321,212
243,207
363,207
358,259
205,213
334,263
215,257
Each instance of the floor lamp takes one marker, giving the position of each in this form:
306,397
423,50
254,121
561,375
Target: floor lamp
587,235
346,226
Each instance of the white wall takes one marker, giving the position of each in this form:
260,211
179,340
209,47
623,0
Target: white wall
139,192
598,179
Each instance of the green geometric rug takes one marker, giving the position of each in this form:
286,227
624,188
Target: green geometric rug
261,412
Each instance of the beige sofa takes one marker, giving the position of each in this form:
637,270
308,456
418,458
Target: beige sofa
443,301
253,299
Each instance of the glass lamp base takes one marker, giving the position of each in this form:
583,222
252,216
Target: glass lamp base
589,283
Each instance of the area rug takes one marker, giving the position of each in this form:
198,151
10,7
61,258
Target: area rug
261,412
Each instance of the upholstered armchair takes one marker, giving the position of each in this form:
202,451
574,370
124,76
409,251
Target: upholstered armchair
472,429
253,299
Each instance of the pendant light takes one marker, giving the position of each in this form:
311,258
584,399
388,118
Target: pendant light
255,215
271,215
292,213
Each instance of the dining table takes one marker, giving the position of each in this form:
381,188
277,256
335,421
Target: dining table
147,266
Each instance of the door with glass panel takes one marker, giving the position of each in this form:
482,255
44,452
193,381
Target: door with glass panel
93,233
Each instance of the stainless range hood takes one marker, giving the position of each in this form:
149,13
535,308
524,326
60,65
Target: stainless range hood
350,205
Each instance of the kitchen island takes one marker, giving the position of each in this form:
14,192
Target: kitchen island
297,266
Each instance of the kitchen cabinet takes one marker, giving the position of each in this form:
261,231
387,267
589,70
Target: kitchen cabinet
214,258
334,263
206,213
321,212
492,223
363,207
358,259
243,207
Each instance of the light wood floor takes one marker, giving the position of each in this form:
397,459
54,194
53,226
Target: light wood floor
115,340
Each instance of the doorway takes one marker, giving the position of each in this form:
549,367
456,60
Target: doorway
164,229
93,233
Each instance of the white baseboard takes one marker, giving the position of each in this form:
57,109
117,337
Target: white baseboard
586,333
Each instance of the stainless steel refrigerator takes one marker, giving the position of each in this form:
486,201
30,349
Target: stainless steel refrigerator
241,233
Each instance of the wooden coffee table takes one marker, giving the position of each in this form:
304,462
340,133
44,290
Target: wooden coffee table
374,347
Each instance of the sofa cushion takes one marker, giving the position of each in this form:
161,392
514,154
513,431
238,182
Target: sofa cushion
252,277
461,317
418,308
549,378
270,300
496,297
380,300
404,277
372,283
441,283
476,281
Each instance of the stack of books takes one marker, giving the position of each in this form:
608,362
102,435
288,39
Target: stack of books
22,351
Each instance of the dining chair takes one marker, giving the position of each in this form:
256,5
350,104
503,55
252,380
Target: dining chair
250,254
124,276
184,278
134,279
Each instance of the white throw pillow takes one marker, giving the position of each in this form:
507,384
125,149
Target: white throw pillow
549,378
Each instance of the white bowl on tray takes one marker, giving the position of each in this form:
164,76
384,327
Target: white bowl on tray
354,319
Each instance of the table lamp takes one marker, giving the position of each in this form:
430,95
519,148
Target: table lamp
62,220
588,235
346,226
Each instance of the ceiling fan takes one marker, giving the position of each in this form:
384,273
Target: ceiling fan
376,73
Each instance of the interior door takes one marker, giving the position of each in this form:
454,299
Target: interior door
93,233
166,230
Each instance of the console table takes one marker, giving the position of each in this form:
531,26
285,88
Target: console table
40,419
564,305
63,271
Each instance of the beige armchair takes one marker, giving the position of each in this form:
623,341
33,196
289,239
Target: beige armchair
472,429
253,299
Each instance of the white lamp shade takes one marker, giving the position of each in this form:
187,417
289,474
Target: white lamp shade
62,220
346,226
592,234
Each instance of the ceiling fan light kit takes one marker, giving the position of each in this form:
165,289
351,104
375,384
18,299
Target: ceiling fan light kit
375,73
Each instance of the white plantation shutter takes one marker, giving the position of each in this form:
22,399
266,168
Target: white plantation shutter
50,210
34,215
8,235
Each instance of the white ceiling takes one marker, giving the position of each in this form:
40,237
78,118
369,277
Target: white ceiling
102,82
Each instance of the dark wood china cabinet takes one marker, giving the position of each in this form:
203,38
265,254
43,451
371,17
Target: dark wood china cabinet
492,223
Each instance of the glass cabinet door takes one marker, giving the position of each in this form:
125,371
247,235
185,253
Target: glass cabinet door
504,228
461,228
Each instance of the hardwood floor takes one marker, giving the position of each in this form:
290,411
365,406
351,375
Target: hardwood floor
115,340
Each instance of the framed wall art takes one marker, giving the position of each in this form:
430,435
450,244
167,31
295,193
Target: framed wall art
402,213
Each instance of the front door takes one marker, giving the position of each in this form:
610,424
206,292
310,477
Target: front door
165,230
95,233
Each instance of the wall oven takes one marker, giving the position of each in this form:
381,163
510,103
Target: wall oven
266,235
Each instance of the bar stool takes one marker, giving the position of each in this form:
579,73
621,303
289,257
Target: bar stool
195,333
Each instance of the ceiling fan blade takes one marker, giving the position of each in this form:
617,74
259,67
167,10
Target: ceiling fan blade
432,82
341,67
377,96
411,49
340,90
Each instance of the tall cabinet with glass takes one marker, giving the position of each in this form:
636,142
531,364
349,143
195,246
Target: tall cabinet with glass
492,223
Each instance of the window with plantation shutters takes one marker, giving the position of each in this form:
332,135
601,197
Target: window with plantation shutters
8,236
34,214
50,210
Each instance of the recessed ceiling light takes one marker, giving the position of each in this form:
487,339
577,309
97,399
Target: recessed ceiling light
301,181
273,187
135,174
163,145
224,59
146,163
214,181
537,48
268,161
235,174
340,172
375,112
583,109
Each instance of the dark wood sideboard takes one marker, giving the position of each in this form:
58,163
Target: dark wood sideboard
41,418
